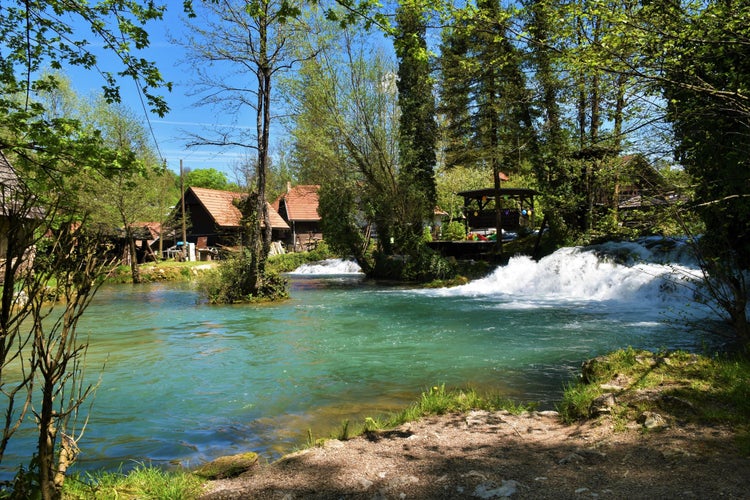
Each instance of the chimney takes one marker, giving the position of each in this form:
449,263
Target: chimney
288,186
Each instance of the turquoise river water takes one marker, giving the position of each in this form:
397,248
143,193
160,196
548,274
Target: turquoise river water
183,381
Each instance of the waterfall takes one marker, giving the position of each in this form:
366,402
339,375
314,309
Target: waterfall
645,274
329,267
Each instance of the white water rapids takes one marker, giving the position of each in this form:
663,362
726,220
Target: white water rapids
328,267
651,275
629,272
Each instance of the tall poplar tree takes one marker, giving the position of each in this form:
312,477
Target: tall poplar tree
417,125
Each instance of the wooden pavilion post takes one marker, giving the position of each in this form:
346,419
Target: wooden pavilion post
498,214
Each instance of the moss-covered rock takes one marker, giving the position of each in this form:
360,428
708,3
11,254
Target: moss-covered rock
228,466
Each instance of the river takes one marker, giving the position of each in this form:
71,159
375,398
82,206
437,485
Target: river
182,381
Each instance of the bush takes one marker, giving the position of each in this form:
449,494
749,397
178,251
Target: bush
229,283
427,265
453,231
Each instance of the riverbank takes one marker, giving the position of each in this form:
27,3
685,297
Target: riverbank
483,454
637,425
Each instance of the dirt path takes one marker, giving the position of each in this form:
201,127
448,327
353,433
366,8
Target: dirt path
496,454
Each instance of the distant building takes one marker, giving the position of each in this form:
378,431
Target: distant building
298,206
213,219
18,213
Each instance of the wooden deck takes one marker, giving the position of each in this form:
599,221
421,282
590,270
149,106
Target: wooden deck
464,250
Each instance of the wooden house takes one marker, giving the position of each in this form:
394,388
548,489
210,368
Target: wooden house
18,213
148,239
213,219
480,215
298,206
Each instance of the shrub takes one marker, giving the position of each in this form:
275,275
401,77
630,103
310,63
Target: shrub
453,231
229,283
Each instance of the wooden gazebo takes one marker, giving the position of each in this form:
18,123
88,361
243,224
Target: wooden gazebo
517,211
516,205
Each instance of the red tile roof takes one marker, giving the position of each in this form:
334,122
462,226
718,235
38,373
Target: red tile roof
220,205
301,203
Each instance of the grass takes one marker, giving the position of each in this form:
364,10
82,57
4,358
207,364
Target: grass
685,387
142,483
436,401
172,270
166,270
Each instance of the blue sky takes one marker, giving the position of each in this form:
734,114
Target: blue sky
171,131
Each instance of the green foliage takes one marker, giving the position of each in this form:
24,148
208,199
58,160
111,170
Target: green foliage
453,231
228,283
484,96
162,271
288,262
459,178
423,266
342,223
609,226
707,107
209,178
56,44
25,485
693,388
439,401
417,126
143,483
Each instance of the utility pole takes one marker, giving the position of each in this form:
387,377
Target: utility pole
184,225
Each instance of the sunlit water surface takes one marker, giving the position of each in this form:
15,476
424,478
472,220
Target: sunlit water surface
184,382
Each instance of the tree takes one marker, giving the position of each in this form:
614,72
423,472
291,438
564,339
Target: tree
209,178
551,168
129,197
244,37
45,148
709,108
490,120
417,125
344,128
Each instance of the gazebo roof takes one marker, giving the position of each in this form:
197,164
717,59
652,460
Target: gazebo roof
491,192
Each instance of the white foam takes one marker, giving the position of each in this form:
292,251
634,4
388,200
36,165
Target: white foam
628,274
329,267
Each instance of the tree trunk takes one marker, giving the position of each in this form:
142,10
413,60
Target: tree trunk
47,429
134,270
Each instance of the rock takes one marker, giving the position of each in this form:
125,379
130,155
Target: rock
611,387
548,413
333,444
603,404
227,466
590,369
651,420
486,490
573,458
